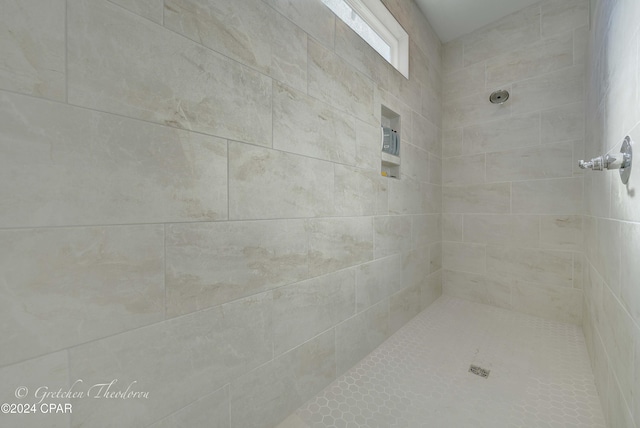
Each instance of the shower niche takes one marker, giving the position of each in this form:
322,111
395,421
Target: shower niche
390,127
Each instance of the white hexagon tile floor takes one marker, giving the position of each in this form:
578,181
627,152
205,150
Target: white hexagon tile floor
540,375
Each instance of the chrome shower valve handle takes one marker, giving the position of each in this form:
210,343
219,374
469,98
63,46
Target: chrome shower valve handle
621,161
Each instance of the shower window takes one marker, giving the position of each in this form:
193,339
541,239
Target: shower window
375,24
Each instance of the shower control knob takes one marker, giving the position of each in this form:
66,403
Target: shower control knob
596,164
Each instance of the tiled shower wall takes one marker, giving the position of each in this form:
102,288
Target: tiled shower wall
512,193
192,200
612,212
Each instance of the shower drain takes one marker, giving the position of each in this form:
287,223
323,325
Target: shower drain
479,371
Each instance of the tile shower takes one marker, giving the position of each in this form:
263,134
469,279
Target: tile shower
192,203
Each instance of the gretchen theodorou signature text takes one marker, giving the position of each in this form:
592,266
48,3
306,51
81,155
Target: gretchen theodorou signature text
108,390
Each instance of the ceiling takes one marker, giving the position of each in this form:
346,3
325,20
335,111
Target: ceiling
454,18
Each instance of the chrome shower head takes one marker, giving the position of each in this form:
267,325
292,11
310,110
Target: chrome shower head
499,97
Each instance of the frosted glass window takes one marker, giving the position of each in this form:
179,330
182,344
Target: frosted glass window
374,23
357,24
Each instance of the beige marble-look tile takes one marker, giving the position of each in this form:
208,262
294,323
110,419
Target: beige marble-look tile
531,60
435,257
176,361
268,394
562,232
505,134
559,16
502,36
552,196
293,421
367,146
335,82
416,266
609,252
403,306
464,170
432,106
208,264
502,229
578,270
425,229
463,82
150,9
411,197
630,270
618,335
435,170
359,192
356,51
452,227
306,309
452,142
124,64
473,109
60,285
248,31
477,288
581,44
361,334
58,156
425,134
483,198
311,15
548,267
51,372
563,123
464,257
431,289
391,235
554,89
531,163
452,56
378,280
32,42
212,411
415,163
557,303
337,243
265,183
306,126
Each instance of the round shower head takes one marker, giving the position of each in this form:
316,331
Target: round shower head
499,97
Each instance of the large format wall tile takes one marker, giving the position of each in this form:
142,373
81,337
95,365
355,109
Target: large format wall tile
361,334
333,81
248,31
464,170
211,411
50,371
477,288
266,183
504,134
359,192
552,268
390,235
548,161
303,310
504,35
464,257
531,60
32,42
306,126
473,109
63,287
549,90
74,166
565,123
176,361
557,16
425,229
553,196
483,198
123,64
378,280
265,396
150,9
337,243
562,232
502,229
213,263
559,303
310,15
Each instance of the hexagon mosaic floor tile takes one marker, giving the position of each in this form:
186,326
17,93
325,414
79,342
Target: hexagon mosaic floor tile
540,375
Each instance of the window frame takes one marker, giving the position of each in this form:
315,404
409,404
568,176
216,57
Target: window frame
376,15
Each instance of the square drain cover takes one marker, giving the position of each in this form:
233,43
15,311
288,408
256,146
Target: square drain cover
479,371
